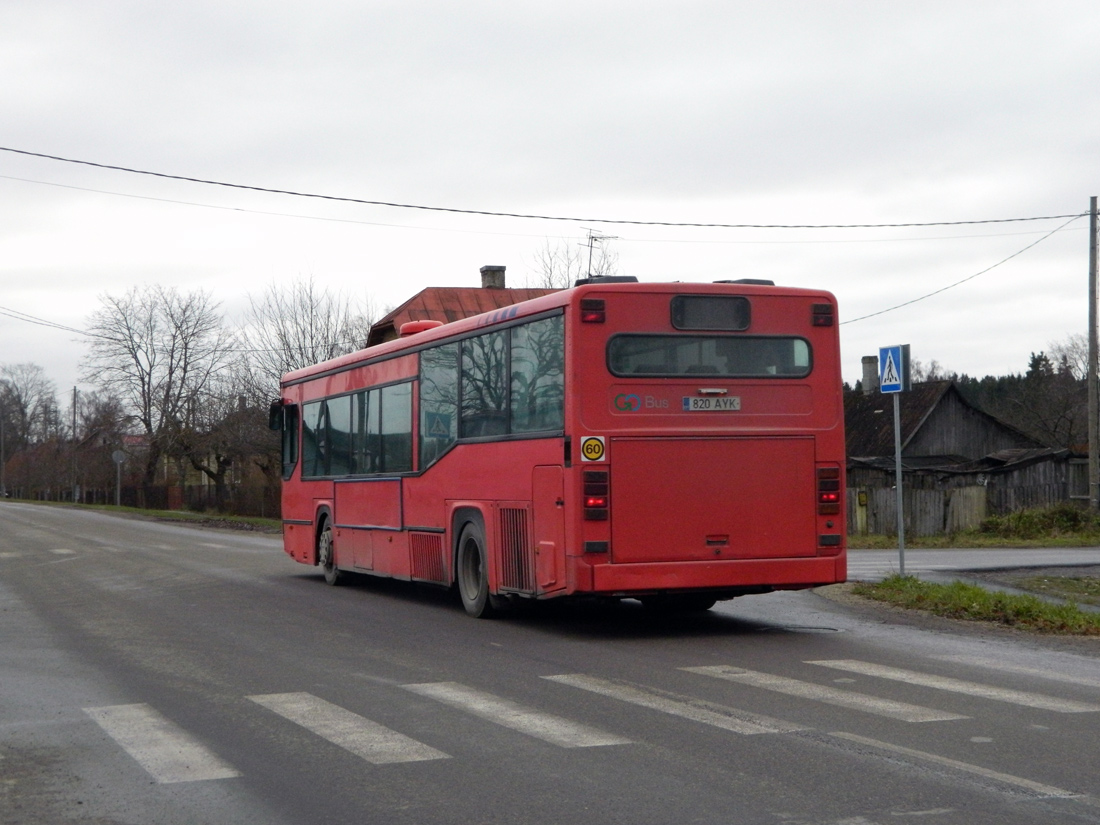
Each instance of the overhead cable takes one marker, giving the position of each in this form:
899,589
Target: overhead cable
525,216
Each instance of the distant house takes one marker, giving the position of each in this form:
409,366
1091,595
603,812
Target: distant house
958,463
938,425
448,304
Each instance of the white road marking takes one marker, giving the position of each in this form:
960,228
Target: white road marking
166,751
545,726
731,719
912,677
1043,673
61,551
366,739
829,695
1027,784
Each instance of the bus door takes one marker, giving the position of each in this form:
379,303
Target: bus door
548,493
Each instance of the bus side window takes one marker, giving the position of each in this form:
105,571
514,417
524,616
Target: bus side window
538,376
484,386
372,437
438,402
314,440
397,428
289,439
340,435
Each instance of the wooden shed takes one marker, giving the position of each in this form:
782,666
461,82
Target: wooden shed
959,464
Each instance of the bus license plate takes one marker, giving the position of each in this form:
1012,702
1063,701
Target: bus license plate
708,404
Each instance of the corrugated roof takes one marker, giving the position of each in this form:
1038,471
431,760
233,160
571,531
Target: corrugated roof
446,304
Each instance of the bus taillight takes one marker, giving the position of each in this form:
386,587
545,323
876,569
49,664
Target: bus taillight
821,315
593,311
597,495
828,491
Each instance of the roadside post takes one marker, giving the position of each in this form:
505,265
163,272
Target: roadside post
119,457
894,378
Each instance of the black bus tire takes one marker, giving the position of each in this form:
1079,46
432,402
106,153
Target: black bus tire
473,572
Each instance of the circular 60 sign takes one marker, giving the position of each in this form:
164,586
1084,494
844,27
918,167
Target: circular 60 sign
592,448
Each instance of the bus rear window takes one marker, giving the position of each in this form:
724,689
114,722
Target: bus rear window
710,312
670,356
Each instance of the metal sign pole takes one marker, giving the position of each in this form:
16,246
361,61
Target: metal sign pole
894,378
897,482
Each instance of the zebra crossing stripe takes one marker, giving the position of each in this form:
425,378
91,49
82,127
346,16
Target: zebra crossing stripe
719,716
1037,788
366,739
912,677
545,726
824,693
997,664
164,750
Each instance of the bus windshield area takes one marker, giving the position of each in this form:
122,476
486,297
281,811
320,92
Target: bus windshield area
740,356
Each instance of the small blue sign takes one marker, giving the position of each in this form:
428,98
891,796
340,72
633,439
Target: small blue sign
893,368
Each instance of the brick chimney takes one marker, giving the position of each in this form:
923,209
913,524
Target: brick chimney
492,277
870,374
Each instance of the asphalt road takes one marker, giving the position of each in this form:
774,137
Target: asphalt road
154,673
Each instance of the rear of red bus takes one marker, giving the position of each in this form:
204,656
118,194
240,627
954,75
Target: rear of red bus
706,426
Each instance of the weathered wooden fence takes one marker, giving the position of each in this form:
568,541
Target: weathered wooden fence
927,512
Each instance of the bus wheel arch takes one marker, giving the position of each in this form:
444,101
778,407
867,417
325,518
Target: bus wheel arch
471,565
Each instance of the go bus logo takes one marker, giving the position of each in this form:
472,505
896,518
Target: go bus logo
632,402
628,402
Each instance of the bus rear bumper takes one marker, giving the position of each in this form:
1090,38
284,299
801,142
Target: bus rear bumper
752,574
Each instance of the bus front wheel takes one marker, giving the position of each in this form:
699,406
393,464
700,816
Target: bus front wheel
473,572
326,557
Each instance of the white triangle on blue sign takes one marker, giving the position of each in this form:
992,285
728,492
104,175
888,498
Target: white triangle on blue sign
890,371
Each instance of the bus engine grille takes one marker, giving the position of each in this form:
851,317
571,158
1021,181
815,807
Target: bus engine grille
427,557
517,571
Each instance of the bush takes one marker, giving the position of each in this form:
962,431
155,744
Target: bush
1051,521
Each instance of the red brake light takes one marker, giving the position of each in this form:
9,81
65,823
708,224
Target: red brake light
597,494
828,491
593,311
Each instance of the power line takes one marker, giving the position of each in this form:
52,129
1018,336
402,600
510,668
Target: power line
640,240
968,278
525,216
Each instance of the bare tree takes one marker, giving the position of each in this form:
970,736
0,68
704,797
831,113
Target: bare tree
28,402
158,350
295,326
1071,355
934,371
559,266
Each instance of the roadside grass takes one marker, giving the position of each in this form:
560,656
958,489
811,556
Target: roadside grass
959,600
266,525
1080,589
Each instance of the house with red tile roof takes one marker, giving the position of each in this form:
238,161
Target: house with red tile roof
446,304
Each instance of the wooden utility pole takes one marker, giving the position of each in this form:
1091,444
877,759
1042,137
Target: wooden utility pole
1094,387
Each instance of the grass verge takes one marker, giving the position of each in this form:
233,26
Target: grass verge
959,600
1080,589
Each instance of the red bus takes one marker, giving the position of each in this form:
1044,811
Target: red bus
675,443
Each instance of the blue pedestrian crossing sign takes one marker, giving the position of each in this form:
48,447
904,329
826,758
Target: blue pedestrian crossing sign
893,368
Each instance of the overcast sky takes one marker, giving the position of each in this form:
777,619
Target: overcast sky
695,112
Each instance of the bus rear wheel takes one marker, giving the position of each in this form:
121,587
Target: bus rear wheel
472,572
326,557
